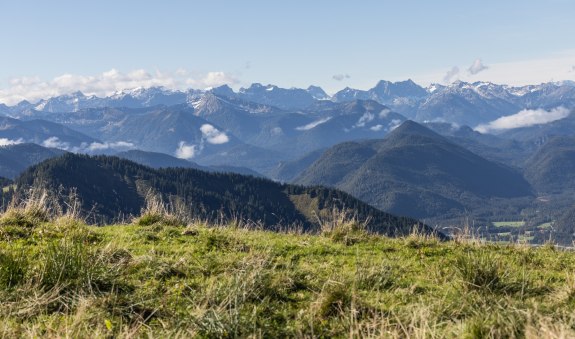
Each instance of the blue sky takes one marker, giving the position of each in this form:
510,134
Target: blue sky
50,47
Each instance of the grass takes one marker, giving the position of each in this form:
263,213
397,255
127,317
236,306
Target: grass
508,223
546,225
62,278
5,189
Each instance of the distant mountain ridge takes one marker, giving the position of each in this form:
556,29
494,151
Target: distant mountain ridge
552,168
14,159
43,132
467,103
162,160
414,171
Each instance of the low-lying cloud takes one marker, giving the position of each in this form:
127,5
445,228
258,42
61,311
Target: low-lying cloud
393,124
55,142
8,142
376,128
212,135
117,146
524,118
364,119
384,113
313,124
186,151
109,82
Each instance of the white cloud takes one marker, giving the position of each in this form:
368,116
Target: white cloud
476,67
313,124
364,119
213,135
524,118
107,83
8,142
395,123
340,77
186,151
120,145
384,113
376,128
54,142
212,79
277,131
451,74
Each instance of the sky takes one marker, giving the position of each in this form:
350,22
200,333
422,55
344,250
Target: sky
99,47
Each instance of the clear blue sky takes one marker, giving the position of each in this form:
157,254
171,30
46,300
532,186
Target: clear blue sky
289,43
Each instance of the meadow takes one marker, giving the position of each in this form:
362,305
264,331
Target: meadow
162,275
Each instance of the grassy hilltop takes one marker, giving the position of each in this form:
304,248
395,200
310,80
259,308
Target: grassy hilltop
161,276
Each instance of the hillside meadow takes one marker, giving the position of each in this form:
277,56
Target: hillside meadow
160,275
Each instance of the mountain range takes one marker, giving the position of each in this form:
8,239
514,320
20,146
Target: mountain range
460,102
416,172
406,149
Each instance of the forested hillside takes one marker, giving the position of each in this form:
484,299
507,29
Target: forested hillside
111,188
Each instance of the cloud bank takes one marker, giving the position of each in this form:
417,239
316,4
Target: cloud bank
524,118
120,145
8,142
55,142
107,83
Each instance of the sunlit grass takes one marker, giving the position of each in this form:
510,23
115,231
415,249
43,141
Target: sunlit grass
62,278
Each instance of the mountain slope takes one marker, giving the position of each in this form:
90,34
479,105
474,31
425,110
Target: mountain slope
172,130
286,171
416,172
14,159
506,151
294,134
552,168
44,132
110,187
